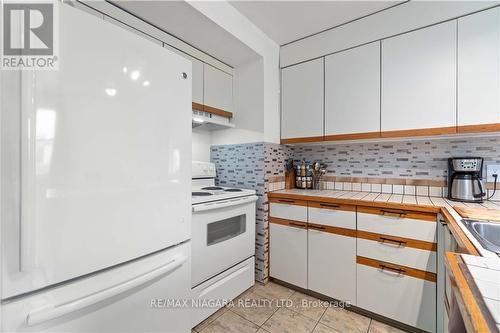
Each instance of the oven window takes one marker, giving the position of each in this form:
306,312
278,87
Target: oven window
225,229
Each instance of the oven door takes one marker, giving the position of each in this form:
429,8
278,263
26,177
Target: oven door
223,236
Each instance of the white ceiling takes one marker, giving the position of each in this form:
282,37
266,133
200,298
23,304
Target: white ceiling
181,20
286,21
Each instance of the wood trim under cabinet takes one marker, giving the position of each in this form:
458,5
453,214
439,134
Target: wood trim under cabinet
218,112
324,205
332,230
288,223
405,242
419,132
407,214
352,136
404,270
479,128
288,201
302,140
197,106
398,133
211,109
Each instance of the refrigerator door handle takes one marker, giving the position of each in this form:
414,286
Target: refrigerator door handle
28,173
47,313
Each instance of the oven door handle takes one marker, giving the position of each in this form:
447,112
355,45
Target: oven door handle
224,203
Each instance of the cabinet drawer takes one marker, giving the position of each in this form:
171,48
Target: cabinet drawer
403,253
342,216
288,209
227,285
407,224
401,297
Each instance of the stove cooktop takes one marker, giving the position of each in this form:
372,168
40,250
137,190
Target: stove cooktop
201,194
214,193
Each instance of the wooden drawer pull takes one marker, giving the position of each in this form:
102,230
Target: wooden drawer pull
286,201
383,267
329,205
390,240
399,213
298,225
316,227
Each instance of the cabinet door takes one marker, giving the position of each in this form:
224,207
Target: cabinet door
218,89
197,73
352,91
302,91
419,80
288,254
400,297
197,80
479,68
332,265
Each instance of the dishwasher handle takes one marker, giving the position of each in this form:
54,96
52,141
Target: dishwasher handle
47,313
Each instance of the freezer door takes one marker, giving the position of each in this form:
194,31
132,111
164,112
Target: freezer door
130,298
104,142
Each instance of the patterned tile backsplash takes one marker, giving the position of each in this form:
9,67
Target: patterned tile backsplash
260,166
419,159
252,166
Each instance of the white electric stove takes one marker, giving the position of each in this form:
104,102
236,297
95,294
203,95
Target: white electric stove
223,240
204,189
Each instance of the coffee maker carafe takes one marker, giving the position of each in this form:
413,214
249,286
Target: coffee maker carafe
464,179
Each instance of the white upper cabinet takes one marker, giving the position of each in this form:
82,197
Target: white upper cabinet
197,80
197,73
419,79
479,68
218,89
352,91
302,91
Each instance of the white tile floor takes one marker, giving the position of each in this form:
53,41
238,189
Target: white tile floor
258,310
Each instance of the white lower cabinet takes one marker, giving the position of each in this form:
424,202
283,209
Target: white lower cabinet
423,260
288,254
288,211
408,225
332,265
378,259
403,298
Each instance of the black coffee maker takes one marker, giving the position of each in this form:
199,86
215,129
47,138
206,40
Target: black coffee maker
465,179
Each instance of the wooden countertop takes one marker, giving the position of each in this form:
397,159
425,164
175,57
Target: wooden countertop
397,201
478,213
476,316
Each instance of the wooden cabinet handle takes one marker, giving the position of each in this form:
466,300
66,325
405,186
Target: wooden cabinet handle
399,213
298,225
390,240
393,269
287,201
316,227
329,205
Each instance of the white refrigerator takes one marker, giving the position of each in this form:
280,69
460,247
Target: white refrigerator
95,185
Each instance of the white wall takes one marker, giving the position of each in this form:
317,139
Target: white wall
248,81
226,16
201,141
